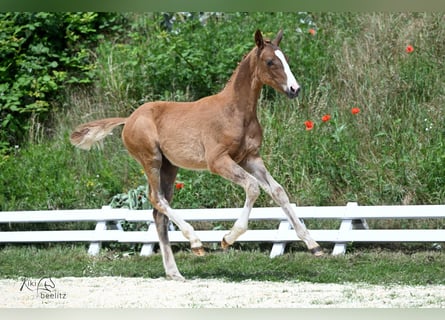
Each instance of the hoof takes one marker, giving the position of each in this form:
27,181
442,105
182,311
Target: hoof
317,251
199,251
224,244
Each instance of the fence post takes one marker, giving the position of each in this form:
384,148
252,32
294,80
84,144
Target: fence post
278,247
346,225
101,226
148,248
95,246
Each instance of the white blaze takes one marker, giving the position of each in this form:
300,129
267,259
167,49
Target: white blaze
291,81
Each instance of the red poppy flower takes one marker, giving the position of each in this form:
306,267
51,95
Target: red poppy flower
179,185
355,110
312,32
309,125
326,118
409,48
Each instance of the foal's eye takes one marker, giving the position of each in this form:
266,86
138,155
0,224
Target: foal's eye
269,62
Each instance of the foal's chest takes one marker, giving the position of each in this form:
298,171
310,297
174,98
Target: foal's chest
249,142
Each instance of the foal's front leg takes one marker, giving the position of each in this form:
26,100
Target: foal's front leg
256,167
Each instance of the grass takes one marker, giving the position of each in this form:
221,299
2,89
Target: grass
371,266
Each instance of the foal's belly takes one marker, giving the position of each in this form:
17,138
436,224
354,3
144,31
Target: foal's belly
185,154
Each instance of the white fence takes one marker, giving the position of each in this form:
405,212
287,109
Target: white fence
353,227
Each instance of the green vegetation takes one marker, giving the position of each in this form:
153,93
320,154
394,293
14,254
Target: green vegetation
40,53
372,266
391,152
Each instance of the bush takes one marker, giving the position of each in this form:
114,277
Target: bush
41,53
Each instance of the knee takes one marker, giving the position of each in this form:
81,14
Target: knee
279,194
253,190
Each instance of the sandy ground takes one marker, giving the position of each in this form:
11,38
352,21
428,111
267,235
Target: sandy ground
118,292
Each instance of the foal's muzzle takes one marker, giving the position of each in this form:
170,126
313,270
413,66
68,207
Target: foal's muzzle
293,92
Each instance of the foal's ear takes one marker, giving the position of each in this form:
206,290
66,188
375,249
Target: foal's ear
259,39
278,38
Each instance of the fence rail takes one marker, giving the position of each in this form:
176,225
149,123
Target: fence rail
353,226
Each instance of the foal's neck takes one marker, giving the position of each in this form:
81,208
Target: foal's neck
244,87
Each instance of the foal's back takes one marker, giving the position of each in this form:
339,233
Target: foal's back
186,133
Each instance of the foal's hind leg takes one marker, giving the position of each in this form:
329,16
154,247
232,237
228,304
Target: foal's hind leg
256,167
152,169
168,175
168,259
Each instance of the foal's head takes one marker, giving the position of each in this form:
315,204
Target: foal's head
272,66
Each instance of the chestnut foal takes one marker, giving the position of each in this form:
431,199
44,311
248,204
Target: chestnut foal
220,133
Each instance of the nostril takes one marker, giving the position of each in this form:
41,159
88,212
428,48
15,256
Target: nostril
292,91
295,90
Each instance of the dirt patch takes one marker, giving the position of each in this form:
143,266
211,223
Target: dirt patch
116,292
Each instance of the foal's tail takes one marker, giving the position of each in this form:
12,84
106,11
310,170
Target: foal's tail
85,135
